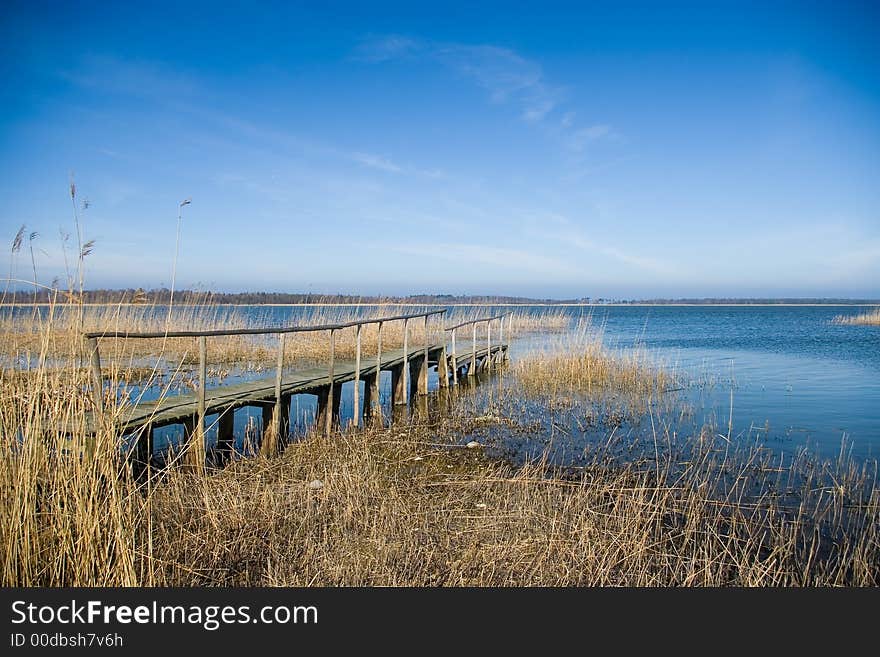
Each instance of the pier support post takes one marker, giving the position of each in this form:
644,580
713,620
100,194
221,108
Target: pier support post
97,379
423,372
356,409
454,361
375,403
143,452
404,371
276,425
285,416
336,403
488,362
418,377
323,395
443,368
268,438
371,398
196,442
331,403
190,449
327,415
225,437
420,407
472,369
275,418
398,385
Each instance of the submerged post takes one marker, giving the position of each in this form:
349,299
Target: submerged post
356,411
328,419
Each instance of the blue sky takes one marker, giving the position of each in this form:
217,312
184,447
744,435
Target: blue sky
612,149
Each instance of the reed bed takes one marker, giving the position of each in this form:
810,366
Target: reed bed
410,505
580,362
57,328
869,318
398,508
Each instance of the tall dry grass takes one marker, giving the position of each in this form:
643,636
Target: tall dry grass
397,508
579,362
58,328
869,318
409,506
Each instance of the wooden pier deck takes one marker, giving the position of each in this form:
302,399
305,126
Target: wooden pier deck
177,409
408,367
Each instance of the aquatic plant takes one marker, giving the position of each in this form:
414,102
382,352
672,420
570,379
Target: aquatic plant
869,318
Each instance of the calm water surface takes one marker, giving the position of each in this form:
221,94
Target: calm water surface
794,377
797,378
791,370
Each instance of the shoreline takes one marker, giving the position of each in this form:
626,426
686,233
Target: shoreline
472,305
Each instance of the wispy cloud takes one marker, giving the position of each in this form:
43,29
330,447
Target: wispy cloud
561,229
376,162
507,76
144,79
384,48
579,139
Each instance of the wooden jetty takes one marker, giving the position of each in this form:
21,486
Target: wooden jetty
409,368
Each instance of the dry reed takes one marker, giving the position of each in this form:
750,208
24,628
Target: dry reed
869,318
409,506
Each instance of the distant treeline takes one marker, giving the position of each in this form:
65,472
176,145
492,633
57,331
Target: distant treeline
758,302
193,297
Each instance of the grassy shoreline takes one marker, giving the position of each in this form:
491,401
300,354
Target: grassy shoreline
412,505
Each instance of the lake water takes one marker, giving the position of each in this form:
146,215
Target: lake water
790,369
794,377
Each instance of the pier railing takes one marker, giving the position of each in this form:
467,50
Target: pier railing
472,369
92,348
